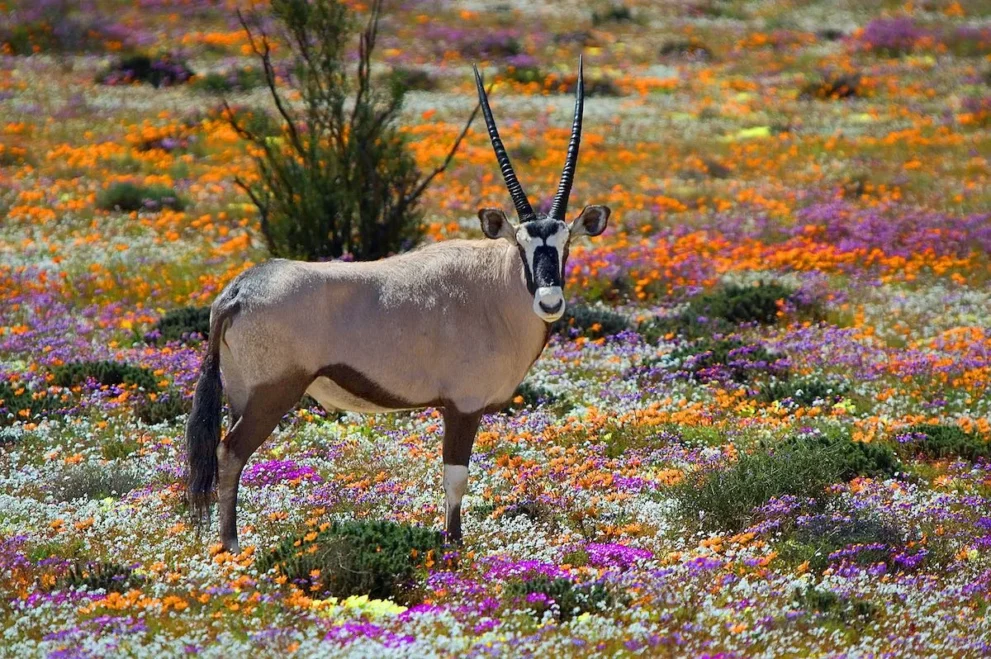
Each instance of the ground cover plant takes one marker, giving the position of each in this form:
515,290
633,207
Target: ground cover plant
762,430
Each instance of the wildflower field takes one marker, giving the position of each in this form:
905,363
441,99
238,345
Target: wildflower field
762,429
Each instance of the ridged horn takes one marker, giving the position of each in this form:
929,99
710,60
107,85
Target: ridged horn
560,206
523,208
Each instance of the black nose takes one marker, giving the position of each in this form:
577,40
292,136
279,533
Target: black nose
554,309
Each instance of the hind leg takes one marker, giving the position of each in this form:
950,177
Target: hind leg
265,406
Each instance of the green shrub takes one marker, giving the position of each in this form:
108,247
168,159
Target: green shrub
241,79
534,395
107,576
413,79
20,403
801,466
834,86
126,196
589,320
691,48
565,599
616,13
379,559
166,406
710,358
845,610
803,391
340,178
815,538
160,71
94,482
855,459
188,324
106,373
938,442
723,309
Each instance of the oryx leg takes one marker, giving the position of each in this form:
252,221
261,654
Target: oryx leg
264,409
459,435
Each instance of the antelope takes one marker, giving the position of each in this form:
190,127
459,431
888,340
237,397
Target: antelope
454,325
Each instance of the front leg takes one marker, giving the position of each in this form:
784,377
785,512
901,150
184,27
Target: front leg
459,435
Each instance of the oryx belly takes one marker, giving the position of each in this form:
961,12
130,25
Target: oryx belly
332,396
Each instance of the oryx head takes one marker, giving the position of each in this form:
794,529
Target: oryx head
541,238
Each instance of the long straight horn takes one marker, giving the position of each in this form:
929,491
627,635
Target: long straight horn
523,208
560,206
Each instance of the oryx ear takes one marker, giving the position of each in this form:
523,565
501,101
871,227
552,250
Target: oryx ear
591,222
495,224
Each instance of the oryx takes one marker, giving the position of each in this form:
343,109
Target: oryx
454,325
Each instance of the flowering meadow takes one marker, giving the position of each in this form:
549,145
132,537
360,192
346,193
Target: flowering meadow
762,431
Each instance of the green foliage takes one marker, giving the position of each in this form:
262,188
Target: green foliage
815,538
94,482
186,324
164,407
564,598
16,398
126,196
834,86
592,321
723,309
241,79
616,13
855,459
801,466
375,558
941,441
534,395
844,610
106,373
160,71
413,79
339,179
803,391
107,576
708,357
691,48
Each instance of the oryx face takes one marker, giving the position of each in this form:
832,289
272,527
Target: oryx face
542,239
543,245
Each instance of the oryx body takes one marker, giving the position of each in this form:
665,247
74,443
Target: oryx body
454,325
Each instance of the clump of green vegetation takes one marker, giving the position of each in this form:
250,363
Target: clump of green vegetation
107,576
340,178
106,373
524,73
162,407
815,539
413,79
590,320
692,48
803,391
937,442
709,358
240,79
854,459
187,324
127,196
616,13
801,466
20,403
160,71
529,395
834,86
724,308
564,598
94,482
827,603
375,558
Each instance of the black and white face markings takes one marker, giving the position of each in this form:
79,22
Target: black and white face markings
542,245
